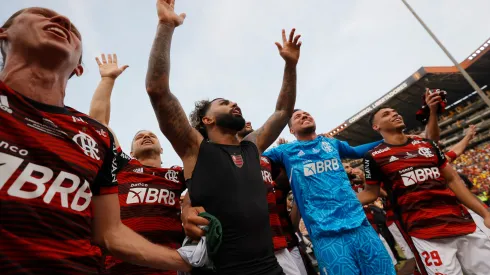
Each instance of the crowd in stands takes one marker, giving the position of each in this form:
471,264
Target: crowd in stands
474,163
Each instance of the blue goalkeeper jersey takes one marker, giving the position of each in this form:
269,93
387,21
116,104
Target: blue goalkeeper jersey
320,185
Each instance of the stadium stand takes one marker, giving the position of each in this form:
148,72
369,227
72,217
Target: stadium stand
464,108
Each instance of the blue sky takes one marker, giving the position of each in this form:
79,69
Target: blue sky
353,52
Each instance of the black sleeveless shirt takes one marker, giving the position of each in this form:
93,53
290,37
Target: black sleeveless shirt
227,182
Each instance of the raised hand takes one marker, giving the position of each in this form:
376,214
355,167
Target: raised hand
167,15
432,100
281,141
290,48
471,132
108,67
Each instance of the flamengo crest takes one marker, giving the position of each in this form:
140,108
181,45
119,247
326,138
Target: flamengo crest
88,145
238,160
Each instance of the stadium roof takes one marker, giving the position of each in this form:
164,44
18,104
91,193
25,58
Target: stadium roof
406,97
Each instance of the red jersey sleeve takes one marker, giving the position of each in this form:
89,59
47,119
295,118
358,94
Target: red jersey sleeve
371,170
106,181
441,158
121,158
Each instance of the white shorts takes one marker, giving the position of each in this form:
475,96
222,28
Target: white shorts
286,261
479,223
400,240
298,260
453,256
388,249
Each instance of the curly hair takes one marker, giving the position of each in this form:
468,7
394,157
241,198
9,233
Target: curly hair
200,110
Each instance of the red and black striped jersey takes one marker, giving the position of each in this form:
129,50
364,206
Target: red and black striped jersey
150,205
388,208
282,190
278,238
412,175
390,214
358,187
52,161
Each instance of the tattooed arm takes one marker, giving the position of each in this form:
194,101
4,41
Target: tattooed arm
272,128
170,114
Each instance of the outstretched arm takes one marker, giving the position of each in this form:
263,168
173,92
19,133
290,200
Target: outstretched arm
170,114
459,147
100,107
110,233
272,128
463,194
432,130
347,151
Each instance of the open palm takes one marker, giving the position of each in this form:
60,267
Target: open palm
167,15
290,48
108,67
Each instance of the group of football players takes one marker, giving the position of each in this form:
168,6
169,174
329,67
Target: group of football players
72,202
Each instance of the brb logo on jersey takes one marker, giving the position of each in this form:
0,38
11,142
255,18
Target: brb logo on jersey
140,193
313,168
88,145
67,189
419,175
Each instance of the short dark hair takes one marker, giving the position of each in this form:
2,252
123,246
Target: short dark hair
9,23
375,111
196,116
289,121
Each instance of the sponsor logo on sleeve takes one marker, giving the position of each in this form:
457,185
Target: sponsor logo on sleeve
367,169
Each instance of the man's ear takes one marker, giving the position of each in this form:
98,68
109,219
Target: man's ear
78,70
207,120
3,34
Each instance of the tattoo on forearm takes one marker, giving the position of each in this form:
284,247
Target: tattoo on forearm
159,63
170,114
287,96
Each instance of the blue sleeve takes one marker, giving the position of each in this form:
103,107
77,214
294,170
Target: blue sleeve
347,151
274,154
